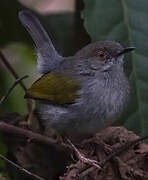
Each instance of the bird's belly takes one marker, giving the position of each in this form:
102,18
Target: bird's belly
98,112
85,117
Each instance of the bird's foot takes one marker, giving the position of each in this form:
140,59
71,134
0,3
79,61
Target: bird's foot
88,161
82,157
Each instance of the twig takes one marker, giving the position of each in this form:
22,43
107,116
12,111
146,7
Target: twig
86,172
15,75
10,68
122,149
28,135
113,155
11,88
21,168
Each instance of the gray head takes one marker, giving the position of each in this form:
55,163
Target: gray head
104,53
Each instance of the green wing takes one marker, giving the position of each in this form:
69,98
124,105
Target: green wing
55,88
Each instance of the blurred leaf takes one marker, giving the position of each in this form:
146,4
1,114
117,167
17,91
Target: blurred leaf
61,29
10,28
125,21
22,59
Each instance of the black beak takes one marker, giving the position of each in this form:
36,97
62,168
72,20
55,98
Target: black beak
125,50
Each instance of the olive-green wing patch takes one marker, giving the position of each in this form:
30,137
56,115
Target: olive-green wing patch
55,88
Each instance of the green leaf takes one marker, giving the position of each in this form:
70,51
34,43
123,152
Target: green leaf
22,59
61,29
125,21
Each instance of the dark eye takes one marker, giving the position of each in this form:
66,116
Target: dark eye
101,55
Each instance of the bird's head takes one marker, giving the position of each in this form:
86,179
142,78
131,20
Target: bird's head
104,54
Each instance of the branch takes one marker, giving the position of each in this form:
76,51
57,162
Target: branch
26,134
11,88
10,68
123,148
21,168
15,75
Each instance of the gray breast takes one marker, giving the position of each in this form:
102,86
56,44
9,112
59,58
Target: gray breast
102,101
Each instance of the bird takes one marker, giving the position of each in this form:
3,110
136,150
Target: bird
82,94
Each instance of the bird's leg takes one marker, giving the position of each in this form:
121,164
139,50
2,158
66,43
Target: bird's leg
82,158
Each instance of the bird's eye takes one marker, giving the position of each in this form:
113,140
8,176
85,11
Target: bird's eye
101,55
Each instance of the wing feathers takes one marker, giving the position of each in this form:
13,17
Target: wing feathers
55,88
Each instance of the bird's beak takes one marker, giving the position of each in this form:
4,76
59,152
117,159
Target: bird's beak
125,50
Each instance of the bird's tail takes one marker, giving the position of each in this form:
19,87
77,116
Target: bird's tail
48,58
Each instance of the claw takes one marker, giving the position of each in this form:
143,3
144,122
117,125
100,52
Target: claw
82,158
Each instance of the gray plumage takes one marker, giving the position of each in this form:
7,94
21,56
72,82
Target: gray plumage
46,53
104,91
102,98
